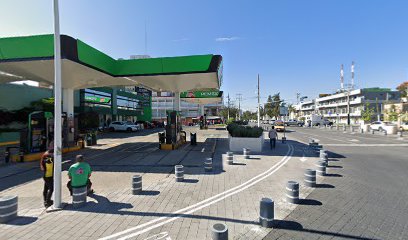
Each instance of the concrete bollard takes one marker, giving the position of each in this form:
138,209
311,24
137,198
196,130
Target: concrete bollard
331,127
372,131
399,134
267,212
384,132
344,128
179,173
79,196
208,164
246,152
230,158
361,130
219,231
337,127
8,208
136,184
292,192
310,178
324,156
321,168
351,129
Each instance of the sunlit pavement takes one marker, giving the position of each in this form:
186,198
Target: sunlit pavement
186,210
369,189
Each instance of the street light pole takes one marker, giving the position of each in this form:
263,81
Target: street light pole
57,109
259,105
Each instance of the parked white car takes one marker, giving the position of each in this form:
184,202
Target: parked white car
123,126
381,126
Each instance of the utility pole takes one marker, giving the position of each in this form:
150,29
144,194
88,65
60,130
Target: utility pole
348,106
228,107
377,110
297,97
239,97
352,75
259,105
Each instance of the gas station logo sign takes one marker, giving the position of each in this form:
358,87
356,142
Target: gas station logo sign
201,94
95,99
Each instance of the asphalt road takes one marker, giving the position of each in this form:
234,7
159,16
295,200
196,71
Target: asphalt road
367,191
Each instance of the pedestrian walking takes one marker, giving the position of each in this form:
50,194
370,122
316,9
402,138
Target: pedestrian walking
47,166
79,174
273,135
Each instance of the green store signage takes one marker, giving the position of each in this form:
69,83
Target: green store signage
201,94
95,99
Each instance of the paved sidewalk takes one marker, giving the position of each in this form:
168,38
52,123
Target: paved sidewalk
186,210
368,198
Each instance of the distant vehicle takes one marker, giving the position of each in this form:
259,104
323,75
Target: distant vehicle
318,120
404,126
279,126
271,122
294,122
123,126
380,125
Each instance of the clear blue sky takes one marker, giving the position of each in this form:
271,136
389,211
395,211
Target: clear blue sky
295,45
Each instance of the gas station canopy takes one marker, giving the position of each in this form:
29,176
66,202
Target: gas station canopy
202,97
32,58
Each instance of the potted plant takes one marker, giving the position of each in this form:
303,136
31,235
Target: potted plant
245,137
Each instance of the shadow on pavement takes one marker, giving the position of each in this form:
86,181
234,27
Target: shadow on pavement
190,180
333,175
324,185
333,166
21,221
149,193
310,202
295,226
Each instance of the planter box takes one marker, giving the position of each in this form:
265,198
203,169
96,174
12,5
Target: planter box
236,144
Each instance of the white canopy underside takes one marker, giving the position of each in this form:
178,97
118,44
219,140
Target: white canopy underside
202,100
78,76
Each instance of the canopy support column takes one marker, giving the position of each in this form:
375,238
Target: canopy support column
201,109
176,102
68,108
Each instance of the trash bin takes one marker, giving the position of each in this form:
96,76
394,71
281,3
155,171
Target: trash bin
162,138
193,139
88,139
94,138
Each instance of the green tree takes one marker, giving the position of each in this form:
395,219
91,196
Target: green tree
392,114
272,105
248,115
403,88
232,110
367,113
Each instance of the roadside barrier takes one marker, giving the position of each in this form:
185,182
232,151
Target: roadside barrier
208,164
292,192
136,184
219,231
79,196
8,208
361,130
246,152
323,155
179,173
321,168
351,128
267,212
337,127
230,158
310,178
344,128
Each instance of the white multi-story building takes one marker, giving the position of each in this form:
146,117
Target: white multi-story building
164,101
336,107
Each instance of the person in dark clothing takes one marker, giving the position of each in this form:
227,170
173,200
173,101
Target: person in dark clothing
47,166
272,137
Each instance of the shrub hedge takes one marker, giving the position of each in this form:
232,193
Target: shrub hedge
236,130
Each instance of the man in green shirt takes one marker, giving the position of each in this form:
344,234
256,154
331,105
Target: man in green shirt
79,174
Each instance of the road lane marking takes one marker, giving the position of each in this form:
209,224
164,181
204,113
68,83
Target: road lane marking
368,145
146,227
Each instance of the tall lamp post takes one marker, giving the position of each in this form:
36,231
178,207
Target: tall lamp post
57,111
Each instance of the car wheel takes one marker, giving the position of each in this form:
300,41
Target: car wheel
129,129
380,129
111,129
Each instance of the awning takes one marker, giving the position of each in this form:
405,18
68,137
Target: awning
32,58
